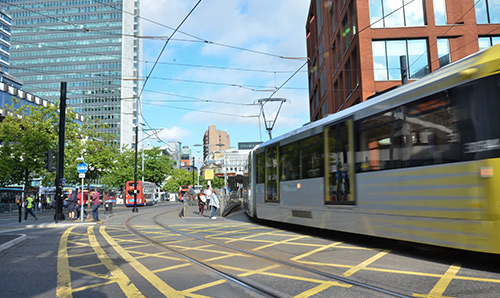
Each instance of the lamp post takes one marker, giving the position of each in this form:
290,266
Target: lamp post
193,171
135,169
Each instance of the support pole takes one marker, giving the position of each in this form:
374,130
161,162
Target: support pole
404,69
135,172
59,215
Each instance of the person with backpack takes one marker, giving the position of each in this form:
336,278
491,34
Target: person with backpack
202,200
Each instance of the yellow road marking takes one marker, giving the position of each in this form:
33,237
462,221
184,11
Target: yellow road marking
190,292
443,283
171,268
321,287
128,288
279,242
297,258
93,286
159,284
258,271
63,273
365,263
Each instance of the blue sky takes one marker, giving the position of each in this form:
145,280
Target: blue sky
197,84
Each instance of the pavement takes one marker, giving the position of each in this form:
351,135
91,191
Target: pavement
11,229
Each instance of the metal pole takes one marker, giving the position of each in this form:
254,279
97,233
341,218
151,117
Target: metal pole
59,215
404,69
193,172
135,172
81,204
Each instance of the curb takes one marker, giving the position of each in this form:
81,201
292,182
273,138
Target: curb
12,242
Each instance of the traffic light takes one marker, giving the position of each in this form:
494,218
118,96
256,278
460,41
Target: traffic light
49,160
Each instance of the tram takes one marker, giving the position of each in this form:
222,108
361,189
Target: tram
145,193
419,163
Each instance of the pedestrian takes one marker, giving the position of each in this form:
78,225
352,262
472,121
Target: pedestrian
208,195
71,199
201,202
29,208
214,203
192,195
96,202
81,196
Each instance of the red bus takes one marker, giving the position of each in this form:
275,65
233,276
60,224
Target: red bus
145,193
182,190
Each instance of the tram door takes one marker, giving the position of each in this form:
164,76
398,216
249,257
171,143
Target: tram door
272,175
339,162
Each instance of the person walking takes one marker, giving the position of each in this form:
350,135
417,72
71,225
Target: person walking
214,203
96,202
71,203
82,196
208,195
201,203
29,208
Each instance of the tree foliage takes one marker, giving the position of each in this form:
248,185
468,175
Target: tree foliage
26,134
30,130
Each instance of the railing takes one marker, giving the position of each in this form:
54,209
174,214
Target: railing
12,209
227,201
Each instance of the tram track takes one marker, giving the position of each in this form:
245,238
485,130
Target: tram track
261,289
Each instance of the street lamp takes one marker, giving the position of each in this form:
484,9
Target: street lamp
135,169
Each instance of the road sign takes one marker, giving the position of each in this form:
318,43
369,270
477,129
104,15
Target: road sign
82,168
81,175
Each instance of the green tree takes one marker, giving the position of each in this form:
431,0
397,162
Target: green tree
177,178
26,134
157,166
97,150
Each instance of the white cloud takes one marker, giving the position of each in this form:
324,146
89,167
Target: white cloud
274,27
167,134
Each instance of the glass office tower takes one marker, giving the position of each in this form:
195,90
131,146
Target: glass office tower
5,23
92,45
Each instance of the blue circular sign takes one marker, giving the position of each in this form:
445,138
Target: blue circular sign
82,168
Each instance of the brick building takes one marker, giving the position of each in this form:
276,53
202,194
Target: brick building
214,140
354,45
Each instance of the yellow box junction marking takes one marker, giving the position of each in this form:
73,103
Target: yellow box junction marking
63,273
443,283
157,282
365,264
64,288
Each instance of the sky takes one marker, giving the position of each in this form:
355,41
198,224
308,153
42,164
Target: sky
226,55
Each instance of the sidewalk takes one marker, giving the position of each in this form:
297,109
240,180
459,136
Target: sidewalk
11,228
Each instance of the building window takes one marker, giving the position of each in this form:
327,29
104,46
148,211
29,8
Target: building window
487,11
396,13
488,41
443,51
345,34
348,72
440,12
336,87
322,82
321,51
319,15
386,55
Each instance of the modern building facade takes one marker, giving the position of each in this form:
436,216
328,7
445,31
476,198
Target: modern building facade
214,140
5,24
355,46
91,45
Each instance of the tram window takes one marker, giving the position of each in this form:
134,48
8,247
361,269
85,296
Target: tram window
338,182
423,132
261,167
272,174
311,157
289,162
